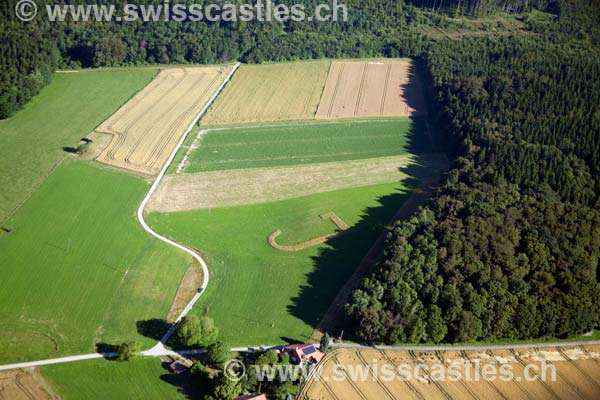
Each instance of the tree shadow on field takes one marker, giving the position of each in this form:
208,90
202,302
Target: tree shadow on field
184,382
335,264
108,351
154,328
69,149
413,92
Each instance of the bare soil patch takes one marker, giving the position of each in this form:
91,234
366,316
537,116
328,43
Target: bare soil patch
146,129
259,185
191,281
371,89
25,385
276,92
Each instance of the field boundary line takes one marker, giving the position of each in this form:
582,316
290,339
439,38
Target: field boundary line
146,227
181,165
310,122
35,189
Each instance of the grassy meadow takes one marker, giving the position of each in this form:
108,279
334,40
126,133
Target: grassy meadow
68,109
261,295
78,270
101,379
284,145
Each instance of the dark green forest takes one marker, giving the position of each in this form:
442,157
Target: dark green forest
509,246
30,51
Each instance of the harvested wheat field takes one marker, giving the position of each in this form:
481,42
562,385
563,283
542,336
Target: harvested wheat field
277,92
260,185
371,89
146,129
576,376
21,385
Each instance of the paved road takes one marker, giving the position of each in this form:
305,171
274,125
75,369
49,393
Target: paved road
160,350
468,348
142,221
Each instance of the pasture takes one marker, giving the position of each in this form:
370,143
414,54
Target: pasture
142,379
66,110
146,129
77,270
577,374
371,89
259,295
272,92
296,144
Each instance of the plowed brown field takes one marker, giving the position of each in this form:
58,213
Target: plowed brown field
577,375
371,89
277,92
146,129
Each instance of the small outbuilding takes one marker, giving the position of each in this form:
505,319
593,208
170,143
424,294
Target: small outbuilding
178,367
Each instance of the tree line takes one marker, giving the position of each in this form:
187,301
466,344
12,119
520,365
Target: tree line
510,244
30,51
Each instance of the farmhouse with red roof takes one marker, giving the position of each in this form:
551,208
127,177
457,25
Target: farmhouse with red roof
301,353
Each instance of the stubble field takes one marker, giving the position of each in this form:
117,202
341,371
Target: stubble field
371,89
264,93
24,385
145,130
577,375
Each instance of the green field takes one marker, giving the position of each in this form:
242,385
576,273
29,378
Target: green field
102,379
66,110
282,145
78,270
259,295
